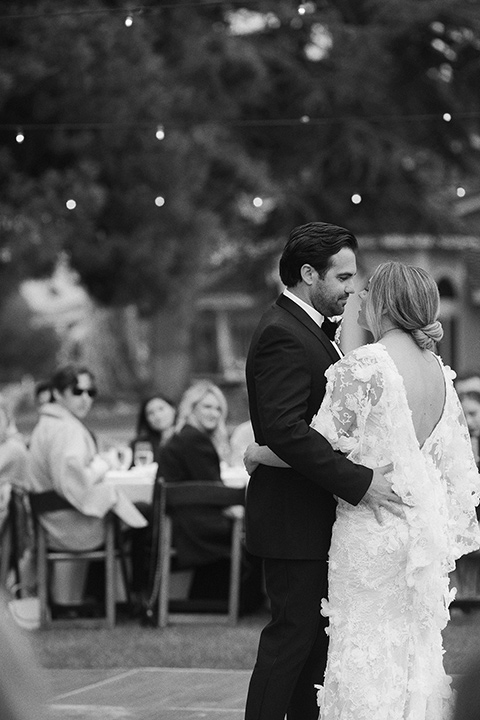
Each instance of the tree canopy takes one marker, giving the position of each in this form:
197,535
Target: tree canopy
204,131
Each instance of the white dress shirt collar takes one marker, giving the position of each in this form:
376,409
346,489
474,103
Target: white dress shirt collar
314,314
317,317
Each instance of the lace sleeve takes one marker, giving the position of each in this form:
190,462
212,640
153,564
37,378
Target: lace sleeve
453,456
354,387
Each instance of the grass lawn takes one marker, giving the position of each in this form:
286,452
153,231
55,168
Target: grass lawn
204,646
130,645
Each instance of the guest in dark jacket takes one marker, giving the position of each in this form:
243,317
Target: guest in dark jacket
193,453
202,535
155,423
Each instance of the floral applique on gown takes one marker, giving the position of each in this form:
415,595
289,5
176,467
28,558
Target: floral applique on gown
388,584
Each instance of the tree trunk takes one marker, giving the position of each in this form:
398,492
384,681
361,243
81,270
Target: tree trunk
114,348
170,344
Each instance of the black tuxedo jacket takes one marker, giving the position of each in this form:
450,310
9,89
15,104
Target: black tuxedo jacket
290,512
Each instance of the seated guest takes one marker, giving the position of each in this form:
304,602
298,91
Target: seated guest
13,473
13,450
155,423
471,407
193,454
43,393
466,576
202,535
63,457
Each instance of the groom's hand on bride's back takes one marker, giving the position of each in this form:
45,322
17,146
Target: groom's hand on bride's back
381,495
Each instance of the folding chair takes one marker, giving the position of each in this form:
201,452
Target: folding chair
9,541
174,495
50,501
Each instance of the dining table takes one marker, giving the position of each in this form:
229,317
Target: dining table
137,482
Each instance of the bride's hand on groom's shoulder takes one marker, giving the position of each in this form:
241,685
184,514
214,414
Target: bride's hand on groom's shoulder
380,495
250,459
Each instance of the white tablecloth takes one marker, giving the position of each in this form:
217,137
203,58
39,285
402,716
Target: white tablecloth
136,483
234,476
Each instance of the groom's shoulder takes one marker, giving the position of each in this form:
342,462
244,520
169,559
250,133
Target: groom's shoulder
277,316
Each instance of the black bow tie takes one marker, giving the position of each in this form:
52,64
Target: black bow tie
329,328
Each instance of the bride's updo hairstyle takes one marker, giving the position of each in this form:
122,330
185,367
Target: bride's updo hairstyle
408,296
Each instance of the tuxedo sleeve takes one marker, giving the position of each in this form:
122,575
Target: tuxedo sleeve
283,376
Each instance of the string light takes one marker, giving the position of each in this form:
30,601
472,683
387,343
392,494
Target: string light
128,21
19,137
306,8
280,122
461,192
110,11
258,202
159,201
356,199
71,204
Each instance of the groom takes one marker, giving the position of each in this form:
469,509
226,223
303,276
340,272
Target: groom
290,512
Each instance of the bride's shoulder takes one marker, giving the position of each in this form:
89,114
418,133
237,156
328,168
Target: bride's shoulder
360,363
369,353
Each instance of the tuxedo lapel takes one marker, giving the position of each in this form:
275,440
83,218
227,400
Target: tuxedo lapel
286,304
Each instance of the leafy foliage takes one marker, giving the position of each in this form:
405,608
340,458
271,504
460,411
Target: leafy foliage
301,110
27,348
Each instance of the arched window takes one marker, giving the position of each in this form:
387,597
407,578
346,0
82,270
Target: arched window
447,347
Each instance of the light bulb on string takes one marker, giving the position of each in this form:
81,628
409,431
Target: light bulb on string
447,117
128,21
258,202
306,7
19,137
159,201
71,204
356,198
305,119
461,192
160,133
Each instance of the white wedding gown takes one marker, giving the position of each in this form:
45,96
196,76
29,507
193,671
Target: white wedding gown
388,584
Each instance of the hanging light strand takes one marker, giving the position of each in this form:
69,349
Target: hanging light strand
160,129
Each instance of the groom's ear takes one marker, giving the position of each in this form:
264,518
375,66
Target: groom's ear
308,273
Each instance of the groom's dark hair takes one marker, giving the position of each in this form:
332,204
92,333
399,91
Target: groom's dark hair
314,244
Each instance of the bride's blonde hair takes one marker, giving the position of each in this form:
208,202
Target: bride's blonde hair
408,296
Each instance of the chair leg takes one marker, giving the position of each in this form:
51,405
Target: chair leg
6,552
42,576
15,543
235,570
120,554
110,584
164,560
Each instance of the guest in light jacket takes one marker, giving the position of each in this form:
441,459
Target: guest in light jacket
63,457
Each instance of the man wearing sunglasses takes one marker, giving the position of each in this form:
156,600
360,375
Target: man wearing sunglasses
63,457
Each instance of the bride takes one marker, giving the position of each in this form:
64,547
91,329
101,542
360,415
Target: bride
393,401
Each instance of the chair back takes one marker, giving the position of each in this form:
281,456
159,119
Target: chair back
48,501
168,496
201,493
